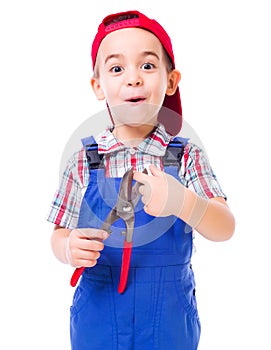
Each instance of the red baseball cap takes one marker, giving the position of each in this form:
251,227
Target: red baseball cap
171,115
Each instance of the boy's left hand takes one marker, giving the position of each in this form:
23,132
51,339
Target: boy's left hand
162,194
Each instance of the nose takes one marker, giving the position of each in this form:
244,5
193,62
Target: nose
137,82
134,79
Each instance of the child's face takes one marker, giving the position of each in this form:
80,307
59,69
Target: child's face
132,75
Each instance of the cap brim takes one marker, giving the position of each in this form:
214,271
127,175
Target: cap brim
170,114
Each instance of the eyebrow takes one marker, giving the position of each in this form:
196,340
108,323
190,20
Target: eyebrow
143,54
115,55
150,53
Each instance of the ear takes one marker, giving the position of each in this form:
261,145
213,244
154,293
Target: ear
174,78
96,87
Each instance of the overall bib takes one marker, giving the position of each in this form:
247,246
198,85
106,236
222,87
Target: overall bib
158,309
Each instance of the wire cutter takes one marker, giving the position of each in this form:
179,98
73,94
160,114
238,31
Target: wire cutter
124,209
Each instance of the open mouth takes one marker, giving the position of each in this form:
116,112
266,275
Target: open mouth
136,99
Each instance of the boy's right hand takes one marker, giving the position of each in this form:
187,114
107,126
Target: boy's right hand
84,245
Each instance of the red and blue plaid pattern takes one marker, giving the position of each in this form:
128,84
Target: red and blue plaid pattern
195,172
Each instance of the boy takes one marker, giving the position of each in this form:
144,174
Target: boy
134,71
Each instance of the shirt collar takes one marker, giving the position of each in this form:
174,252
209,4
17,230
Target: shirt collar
155,144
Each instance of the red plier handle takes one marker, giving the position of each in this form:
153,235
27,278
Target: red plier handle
125,265
76,275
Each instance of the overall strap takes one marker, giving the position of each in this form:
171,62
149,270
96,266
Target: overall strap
173,156
93,157
171,160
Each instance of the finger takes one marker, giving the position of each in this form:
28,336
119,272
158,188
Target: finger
79,255
92,233
141,189
146,195
88,255
84,262
145,200
90,245
146,209
140,177
155,171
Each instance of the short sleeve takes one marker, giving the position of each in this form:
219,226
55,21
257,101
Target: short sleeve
197,174
65,206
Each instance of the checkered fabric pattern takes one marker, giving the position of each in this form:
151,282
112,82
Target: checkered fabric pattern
195,172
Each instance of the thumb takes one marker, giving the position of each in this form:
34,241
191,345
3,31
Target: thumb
155,171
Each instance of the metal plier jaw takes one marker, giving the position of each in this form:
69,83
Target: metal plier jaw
126,214
125,207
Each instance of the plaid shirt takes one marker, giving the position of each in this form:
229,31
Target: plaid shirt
195,172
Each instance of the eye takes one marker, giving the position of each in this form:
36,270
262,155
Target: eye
147,66
116,69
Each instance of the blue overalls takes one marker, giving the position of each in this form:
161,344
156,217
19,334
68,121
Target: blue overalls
158,308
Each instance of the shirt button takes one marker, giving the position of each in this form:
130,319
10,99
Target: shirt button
132,151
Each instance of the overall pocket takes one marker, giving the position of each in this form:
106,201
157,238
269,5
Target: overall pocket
186,292
92,314
179,325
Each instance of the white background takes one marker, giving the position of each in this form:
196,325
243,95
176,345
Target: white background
223,52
